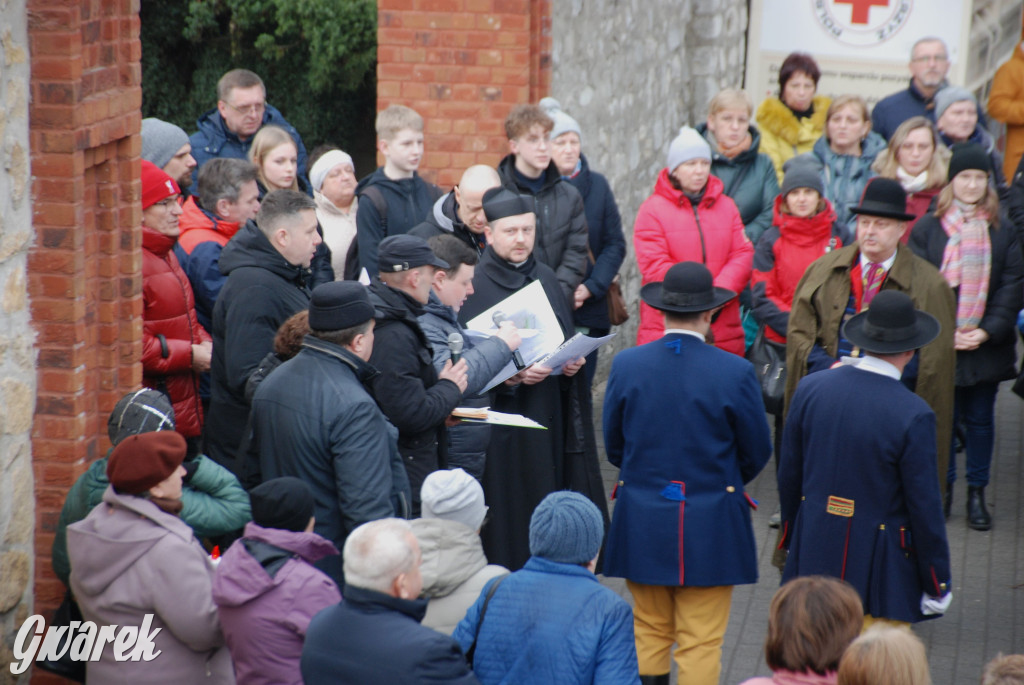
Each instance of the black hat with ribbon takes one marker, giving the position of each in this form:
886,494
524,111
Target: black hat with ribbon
688,288
891,325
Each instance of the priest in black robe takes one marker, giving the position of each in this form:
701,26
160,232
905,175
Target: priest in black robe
524,465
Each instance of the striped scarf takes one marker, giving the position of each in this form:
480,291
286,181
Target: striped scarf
967,261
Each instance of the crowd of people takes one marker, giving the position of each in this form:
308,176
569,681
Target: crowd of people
305,347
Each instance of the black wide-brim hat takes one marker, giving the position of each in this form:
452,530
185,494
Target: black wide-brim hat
891,325
688,288
884,197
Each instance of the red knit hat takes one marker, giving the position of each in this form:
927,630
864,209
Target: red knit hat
156,185
141,461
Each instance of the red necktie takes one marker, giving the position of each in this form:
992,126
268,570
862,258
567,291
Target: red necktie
872,283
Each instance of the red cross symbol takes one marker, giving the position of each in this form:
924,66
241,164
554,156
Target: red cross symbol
861,8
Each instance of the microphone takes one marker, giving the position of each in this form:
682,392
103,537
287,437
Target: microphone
499,318
455,343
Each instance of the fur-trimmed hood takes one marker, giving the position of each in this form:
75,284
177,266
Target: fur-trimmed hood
776,117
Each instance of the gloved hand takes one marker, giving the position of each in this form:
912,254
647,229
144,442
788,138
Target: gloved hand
190,470
932,606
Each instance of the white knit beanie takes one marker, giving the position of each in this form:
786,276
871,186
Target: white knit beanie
687,145
453,495
323,166
563,122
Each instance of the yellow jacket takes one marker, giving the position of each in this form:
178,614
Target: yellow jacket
1006,104
783,135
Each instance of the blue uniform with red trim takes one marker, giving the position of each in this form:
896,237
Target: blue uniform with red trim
685,423
860,500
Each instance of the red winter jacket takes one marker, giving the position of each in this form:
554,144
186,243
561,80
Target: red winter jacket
783,254
169,330
669,230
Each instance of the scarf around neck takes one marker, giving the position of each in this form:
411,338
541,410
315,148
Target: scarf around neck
967,261
912,184
731,152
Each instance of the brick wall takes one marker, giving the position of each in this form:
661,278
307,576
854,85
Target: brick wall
84,273
462,64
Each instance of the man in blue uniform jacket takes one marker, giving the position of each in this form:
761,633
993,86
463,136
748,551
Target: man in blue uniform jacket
857,472
685,423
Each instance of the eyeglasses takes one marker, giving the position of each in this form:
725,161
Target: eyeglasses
938,59
256,108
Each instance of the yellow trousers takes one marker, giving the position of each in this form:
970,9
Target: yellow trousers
870,620
693,618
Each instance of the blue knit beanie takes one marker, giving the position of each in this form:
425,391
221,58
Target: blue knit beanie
566,527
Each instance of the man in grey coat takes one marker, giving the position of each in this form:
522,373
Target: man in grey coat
467,443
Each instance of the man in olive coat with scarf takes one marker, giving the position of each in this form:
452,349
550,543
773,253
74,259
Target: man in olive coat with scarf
842,284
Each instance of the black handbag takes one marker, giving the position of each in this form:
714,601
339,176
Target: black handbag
769,360
66,667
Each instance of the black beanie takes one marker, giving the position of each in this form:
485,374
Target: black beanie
285,503
968,156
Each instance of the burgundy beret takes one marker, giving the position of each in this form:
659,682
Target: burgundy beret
141,461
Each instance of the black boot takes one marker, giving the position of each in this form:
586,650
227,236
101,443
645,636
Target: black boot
947,500
978,517
654,679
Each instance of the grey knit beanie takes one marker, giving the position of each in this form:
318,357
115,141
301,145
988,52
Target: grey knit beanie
563,122
802,171
161,141
566,527
453,495
950,94
687,145
142,411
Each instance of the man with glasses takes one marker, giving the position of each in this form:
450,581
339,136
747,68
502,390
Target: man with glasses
929,64
228,130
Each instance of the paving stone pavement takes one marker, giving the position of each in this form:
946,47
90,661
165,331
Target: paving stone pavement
987,613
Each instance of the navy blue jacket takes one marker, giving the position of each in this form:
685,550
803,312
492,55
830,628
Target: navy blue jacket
409,203
685,423
371,637
213,139
551,623
893,110
607,244
859,496
262,290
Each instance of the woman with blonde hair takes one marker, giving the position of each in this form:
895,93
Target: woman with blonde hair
847,150
885,656
919,160
977,250
275,155
811,622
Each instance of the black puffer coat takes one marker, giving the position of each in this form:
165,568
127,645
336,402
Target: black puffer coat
562,235
262,290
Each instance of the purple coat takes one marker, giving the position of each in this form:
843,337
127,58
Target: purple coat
267,591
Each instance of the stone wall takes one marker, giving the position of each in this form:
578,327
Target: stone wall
632,72
17,355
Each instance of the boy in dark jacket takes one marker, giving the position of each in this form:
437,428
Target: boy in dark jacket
393,199
562,235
